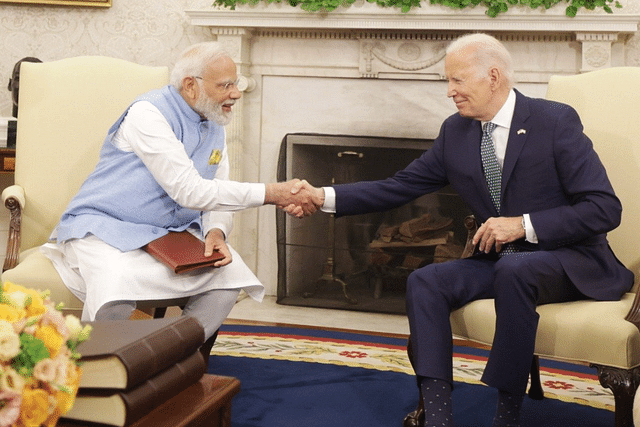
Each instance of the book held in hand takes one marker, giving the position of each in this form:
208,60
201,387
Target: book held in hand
123,407
121,354
182,252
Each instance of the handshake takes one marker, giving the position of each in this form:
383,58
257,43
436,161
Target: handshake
296,197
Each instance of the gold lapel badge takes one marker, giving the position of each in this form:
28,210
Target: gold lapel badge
215,157
521,131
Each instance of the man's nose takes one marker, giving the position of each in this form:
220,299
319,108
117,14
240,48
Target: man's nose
235,93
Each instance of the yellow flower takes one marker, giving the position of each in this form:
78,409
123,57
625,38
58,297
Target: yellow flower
36,307
11,314
51,339
35,407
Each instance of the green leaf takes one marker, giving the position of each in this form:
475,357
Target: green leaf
32,351
571,11
493,7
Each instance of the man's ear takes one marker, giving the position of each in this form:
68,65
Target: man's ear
189,88
496,77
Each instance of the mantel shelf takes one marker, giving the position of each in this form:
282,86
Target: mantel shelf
370,16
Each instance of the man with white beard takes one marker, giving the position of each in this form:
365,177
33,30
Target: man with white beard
164,167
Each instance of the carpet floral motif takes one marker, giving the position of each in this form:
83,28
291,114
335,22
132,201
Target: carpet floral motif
561,384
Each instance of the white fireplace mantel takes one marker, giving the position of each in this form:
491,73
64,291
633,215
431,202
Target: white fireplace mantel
595,31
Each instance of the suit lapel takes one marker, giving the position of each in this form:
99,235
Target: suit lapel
518,135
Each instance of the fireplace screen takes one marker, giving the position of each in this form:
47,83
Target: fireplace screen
360,262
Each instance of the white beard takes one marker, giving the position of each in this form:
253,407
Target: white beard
213,110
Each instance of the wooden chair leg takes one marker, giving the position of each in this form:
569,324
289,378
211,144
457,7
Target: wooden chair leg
535,390
623,383
207,346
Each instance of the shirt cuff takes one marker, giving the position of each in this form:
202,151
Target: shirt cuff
329,205
531,235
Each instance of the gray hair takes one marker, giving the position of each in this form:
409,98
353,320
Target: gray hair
193,60
489,53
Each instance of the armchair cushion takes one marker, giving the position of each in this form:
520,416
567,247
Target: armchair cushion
587,331
32,261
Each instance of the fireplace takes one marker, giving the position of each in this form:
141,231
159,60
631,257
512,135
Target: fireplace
367,70
360,262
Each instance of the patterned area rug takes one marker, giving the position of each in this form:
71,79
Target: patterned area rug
561,381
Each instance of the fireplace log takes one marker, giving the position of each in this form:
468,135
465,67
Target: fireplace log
415,226
447,252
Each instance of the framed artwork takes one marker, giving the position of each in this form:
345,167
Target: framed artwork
83,3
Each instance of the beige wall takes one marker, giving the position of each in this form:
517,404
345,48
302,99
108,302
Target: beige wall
150,32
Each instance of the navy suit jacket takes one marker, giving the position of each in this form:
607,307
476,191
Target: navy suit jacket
550,172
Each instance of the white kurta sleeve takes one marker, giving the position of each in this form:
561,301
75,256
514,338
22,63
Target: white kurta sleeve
147,133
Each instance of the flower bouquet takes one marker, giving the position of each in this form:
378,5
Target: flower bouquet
39,371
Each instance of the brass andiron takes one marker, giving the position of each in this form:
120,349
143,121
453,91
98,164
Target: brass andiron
329,274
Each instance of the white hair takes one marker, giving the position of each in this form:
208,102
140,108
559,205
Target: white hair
489,53
193,60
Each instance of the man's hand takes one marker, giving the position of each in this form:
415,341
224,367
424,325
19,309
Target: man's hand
215,240
296,197
495,232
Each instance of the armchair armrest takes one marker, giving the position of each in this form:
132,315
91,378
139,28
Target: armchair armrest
14,200
472,226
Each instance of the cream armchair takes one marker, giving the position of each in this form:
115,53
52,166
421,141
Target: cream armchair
604,335
65,110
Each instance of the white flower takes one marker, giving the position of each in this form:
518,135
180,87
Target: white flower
11,381
45,370
62,369
74,326
18,298
9,341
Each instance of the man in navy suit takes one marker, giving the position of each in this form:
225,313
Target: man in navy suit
542,237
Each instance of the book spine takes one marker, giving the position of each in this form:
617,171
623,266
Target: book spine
161,349
168,383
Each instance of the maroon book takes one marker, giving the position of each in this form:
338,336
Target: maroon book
182,252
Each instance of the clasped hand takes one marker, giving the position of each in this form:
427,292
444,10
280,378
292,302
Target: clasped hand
296,197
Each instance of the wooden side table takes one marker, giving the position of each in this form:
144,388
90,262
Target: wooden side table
206,403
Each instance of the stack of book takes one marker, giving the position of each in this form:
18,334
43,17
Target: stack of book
131,366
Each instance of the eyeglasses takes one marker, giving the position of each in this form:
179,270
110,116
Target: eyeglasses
223,87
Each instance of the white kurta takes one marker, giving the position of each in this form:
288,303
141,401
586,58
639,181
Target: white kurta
98,273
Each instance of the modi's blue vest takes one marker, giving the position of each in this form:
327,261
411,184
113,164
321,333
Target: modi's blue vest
121,203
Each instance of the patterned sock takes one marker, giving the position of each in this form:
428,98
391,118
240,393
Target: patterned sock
508,410
436,395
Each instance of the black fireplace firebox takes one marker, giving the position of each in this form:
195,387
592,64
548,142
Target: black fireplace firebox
360,262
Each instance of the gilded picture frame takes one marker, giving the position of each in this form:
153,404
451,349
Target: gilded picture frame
82,3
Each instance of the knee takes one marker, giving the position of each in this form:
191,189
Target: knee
420,281
514,274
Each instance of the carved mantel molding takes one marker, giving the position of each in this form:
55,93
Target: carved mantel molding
595,31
